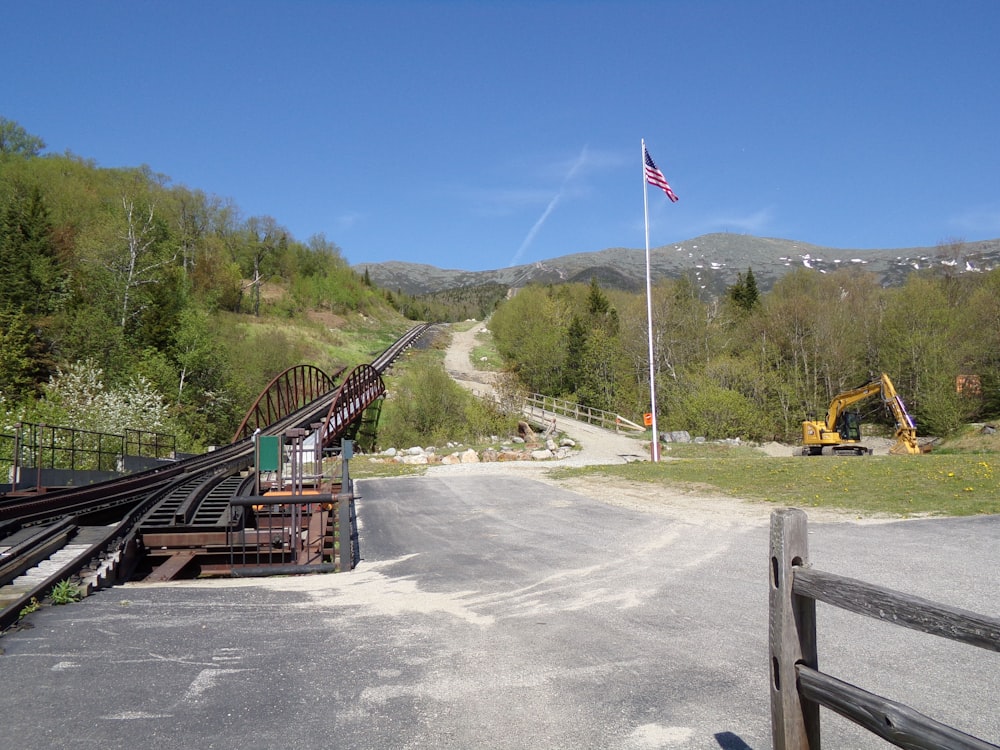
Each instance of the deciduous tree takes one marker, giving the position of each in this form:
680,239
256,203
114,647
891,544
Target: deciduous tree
17,141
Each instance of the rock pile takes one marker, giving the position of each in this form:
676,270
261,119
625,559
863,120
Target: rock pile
454,453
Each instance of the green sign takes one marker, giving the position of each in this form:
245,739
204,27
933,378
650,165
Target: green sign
268,453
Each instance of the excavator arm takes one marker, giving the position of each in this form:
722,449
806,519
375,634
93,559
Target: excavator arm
906,428
846,399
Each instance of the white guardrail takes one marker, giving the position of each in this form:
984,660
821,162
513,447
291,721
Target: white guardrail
537,405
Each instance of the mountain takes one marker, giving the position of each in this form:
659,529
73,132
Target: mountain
713,260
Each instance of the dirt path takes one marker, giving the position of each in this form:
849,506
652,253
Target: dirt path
458,360
597,445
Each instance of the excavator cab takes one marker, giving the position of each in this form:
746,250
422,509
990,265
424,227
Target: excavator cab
849,426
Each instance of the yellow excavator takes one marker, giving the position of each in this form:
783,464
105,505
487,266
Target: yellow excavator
840,434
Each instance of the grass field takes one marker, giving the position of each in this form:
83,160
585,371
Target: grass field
947,483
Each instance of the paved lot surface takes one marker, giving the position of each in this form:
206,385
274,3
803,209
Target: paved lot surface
498,612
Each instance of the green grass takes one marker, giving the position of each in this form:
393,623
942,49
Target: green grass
953,484
485,355
364,468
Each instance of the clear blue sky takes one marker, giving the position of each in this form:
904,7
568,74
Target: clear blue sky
477,135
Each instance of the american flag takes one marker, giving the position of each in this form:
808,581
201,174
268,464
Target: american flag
655,177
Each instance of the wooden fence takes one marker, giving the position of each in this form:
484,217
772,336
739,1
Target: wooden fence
543,407
798,689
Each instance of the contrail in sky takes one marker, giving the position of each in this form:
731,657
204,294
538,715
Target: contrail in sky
573,169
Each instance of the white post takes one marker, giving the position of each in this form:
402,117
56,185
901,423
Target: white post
655,444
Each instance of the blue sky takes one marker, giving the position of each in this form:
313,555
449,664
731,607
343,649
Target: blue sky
477,135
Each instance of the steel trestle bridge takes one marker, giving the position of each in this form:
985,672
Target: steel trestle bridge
209,514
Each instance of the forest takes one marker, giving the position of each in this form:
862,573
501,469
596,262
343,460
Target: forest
130,302
754,365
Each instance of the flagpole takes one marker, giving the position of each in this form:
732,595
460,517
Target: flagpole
655,443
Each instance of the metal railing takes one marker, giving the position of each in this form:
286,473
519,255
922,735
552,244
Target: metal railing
150,444
36,447
288,537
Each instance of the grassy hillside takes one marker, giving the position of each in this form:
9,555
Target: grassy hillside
132,303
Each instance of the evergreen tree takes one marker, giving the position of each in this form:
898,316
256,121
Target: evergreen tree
737,291
751,295
22,357
29,265
744,293
597,302
602,313
576,344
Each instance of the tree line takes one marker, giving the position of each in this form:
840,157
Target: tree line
118,284
754,364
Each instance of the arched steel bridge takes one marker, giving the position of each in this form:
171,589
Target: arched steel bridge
299,386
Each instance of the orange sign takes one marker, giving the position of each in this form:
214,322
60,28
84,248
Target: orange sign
647,419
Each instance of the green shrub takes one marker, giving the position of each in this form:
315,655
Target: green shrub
65,592
425,406
715,413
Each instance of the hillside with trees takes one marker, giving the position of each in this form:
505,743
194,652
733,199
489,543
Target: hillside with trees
131,302
752,364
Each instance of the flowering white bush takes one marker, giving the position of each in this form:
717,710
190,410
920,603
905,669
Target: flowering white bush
78,397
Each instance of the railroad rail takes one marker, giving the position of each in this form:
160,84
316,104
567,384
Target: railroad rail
97,532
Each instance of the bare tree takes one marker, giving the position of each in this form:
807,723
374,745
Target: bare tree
139,261
265,239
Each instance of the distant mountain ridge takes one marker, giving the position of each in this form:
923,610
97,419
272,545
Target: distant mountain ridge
713,260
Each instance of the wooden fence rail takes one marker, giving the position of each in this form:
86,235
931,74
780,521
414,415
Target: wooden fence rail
538,405
798,689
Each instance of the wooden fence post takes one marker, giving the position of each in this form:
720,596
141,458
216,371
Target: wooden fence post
792,636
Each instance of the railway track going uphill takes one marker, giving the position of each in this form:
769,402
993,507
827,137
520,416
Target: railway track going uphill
211,514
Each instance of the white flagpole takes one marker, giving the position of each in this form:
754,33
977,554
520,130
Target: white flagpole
655,444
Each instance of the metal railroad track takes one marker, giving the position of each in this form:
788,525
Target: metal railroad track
66,533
